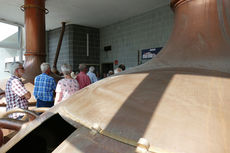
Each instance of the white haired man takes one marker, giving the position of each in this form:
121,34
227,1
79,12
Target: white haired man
16,94
91,75
44,87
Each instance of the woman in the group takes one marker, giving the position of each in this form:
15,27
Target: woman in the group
67,86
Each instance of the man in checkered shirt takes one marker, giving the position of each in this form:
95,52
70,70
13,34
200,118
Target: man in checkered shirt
44,87
16,94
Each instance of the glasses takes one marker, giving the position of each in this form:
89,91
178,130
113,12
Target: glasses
21,68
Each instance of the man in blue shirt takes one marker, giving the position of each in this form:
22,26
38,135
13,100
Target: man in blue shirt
44,87
91,75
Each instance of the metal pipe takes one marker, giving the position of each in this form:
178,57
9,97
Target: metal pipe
54,70
11,124
35,37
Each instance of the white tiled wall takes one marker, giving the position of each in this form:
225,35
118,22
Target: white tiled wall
148,30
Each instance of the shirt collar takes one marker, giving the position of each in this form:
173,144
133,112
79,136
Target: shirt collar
82,72
44,74
16,77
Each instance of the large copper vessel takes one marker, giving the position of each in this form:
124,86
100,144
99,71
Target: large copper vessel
178,102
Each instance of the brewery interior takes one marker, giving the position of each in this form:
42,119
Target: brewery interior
171,98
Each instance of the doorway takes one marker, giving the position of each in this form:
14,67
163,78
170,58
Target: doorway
105,67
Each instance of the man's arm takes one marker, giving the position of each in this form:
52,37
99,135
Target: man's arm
58,97
88,81
58,93
53,84
19,89
94,78
27,95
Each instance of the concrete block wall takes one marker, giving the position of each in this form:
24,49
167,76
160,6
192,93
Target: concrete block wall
73,49
148,30
64,55
80,45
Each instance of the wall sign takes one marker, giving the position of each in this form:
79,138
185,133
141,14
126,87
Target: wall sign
149,53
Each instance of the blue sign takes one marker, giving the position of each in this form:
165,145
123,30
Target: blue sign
150,53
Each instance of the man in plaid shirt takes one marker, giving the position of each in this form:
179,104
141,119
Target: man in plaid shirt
44,87
16,94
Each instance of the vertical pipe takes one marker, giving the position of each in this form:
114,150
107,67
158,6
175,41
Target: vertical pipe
35,37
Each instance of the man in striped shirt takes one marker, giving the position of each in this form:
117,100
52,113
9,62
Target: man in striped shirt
44,87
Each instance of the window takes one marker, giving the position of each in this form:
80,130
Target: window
11,47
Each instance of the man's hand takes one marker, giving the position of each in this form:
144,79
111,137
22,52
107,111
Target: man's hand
27,95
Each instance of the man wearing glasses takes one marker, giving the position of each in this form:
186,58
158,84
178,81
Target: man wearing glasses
16,94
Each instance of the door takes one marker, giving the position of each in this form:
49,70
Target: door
106,67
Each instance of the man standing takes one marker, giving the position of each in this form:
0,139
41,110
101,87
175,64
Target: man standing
44,87
16,94
91,75
82,78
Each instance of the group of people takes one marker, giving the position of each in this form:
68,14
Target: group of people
17,95
120,68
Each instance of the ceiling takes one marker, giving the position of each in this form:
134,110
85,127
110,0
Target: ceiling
93,13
